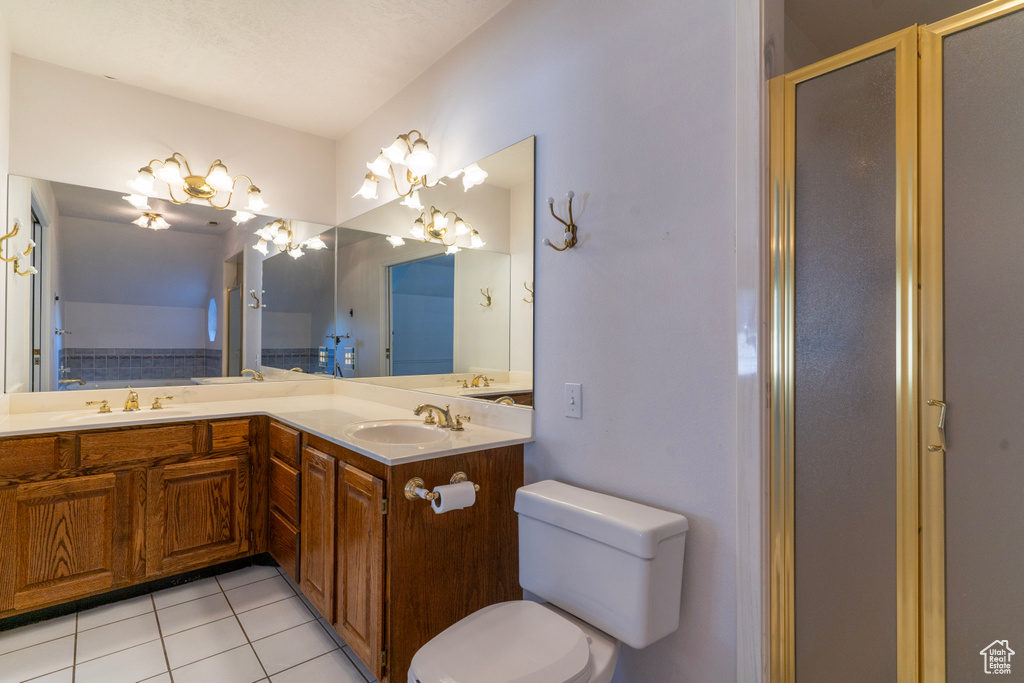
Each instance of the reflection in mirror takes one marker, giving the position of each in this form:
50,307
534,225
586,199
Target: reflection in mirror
417,315
115,303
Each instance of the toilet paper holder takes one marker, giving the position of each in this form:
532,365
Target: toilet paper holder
415,488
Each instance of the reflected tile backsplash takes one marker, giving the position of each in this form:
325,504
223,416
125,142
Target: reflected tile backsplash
98,364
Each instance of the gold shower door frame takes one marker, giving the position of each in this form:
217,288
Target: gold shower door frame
782,156
933,505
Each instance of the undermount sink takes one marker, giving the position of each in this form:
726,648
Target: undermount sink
114,414
223,380
396,432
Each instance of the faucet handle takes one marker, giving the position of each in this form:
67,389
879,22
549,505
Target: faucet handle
457,422
104,405
156,402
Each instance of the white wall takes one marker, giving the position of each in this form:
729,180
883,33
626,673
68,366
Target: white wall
634,106
481,332
5,140
88,130
106,325
521,235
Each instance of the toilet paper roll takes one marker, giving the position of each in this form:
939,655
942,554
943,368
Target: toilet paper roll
453,497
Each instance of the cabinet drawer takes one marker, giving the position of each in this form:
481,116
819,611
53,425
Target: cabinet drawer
29,456
283,544
136,444
284,490
229,434
284,443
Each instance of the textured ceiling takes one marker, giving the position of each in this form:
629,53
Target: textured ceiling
319,66
838,25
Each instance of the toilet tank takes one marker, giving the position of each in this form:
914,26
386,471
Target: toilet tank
616,564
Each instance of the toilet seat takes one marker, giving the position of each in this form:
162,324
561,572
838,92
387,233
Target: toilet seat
511,642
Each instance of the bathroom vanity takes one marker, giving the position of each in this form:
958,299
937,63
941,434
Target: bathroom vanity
85,510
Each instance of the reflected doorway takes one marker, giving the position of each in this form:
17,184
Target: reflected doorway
421,316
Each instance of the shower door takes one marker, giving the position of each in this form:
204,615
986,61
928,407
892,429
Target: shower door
844,497
972,307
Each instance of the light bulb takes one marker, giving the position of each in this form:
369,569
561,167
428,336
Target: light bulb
137,200
143,183
475,242
282,238
397,150
170,172
242,216
417,229
315,243
421,160
461,227
453,249
413,201
256,203
295,252
219,179
261,247
395,241
369,188
439,220
473,176
380,166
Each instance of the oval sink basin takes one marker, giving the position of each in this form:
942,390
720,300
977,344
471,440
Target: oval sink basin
96,416
396,432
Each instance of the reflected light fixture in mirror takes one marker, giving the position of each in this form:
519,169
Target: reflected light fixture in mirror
414,154
432,226
153,221
279,233
211,188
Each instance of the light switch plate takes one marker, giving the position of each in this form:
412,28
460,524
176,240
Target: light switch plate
573,400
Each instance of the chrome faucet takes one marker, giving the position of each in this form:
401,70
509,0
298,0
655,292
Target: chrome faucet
256,374
445,418
476,381
132,402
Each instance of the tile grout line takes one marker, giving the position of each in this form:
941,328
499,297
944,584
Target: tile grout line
242,628
163,645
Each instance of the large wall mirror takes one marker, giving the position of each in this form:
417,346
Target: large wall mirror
114,303
418,316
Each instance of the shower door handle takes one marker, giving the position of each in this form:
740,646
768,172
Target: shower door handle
942,426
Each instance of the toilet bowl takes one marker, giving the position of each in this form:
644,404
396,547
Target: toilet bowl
611,571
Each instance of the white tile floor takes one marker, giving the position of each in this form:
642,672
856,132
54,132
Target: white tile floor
244,627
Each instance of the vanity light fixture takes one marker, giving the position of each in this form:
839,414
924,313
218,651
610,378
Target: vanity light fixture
435,226
279,233
210,188
472,176
406,151
153,221
570,225
22,264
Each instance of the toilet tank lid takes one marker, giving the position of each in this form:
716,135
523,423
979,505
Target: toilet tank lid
634,528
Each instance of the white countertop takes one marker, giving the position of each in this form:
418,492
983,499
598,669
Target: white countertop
325,409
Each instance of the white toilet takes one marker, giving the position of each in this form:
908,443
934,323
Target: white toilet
615,567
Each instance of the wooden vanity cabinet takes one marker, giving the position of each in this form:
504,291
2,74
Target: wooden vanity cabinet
318,516
285,498
86,512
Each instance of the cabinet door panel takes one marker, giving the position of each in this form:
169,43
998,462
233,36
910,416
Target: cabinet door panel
197,513
283,544
284,444
59,540
361,565
317,530
284,490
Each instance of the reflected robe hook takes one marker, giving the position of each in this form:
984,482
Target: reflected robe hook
487,295
530,290
570,225
257,305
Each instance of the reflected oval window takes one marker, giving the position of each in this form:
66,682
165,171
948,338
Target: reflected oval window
211,320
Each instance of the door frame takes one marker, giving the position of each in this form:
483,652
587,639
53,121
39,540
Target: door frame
782,175
933,504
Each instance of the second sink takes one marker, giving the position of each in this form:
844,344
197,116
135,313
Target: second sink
396,432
